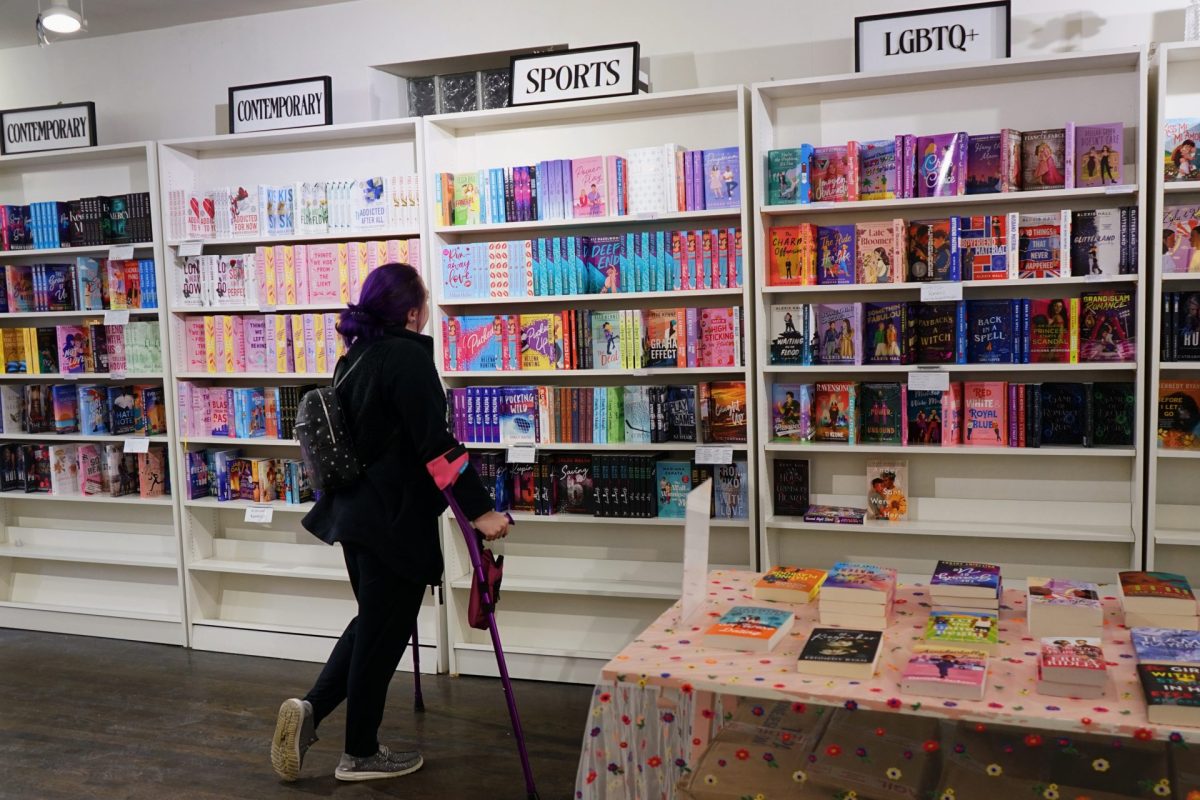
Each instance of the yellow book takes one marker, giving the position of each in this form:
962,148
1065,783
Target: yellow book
1074,325
266,266
537,348
402,251
380,254
343,257
339,346
289,275
281,342
228,350
298,355
322,364
32,361
210,344
358,269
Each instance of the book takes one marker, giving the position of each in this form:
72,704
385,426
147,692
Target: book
840,653
835,254
882,411
1099,152
754,628
1078,660
834,515
932,250
887,490
1053,329
1172,693
789,334
731,492
791,412
984,164
985,407
538,344
572,475
1180,239
884,333
1097,238
789,584
939,330
860,583
935,418
1156,593
941,164
788,176
1180,135
992,327
1166,646
1107,326
938,670
1062,607
965,579
834,412
792,255
589,187
722,178
1112,414
1044,159
674,482
957,628
986,250
1044,244
879,250
836,327
789,484
834,173
879,170
663,333
1063,414
72,348
606,339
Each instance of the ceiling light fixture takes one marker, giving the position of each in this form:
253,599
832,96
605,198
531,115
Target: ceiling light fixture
58,17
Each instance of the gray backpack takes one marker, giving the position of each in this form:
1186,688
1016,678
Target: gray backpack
325,441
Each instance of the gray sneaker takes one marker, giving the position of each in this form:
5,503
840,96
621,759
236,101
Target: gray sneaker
384,764
294,734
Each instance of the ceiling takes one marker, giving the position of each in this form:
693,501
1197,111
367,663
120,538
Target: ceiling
106,17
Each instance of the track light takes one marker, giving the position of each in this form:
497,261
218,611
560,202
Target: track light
58,17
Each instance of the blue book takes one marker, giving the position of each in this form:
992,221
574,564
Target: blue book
636,406
991,330
722,178
755,628
123,410
1166,645
221,462
965,579
662,247
642,276
477,343
518,415
674,481
93,410
541,268
604,263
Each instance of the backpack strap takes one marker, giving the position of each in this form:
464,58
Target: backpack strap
338,381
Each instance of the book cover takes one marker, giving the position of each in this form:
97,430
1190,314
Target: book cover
833,407
1179,415
1155,586
882,410
837,326
841,646
1043,159
834,515
984,164
1096,242
991,331
937,332
789,334
791,412
673,479
835,254
726,410
93,410
887,490
941,164
731,491
884,333
793,255
572,475
965,579
835,173
720,337
72,349
679,413
983,247
518,418
955,628
1099,152
937,669
65,401
722,178
1063,413
1166,645
606,339
790,486
789,584
1050,326
878,248
878,173
589,187
860,583
1107,328
1180,242
662,337
1077,653
538,347
787,175
603,257
1180,135
749,627
1171,692
1112,414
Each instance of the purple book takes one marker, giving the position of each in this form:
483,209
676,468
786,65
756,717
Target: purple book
1099,151
884,333
602,261
835,254
941,164
722,178
837,330
984,164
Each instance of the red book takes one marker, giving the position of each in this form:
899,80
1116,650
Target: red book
1073,660
985,407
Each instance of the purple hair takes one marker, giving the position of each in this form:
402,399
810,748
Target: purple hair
388,294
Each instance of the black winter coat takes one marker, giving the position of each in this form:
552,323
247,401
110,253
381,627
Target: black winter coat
396,409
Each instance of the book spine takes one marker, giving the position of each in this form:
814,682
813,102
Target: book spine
1012,414
1074,330
1069,162
1089,415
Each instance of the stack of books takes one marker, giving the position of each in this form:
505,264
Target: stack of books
1158,600
1058,607
1071,667
952,628
840,653
966,586
790,585
858,596
749,628
1172,693
936,670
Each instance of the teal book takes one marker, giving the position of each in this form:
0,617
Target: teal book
674,481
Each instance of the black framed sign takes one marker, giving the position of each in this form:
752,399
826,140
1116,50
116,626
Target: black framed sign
933,37
299,103
587,72
59,127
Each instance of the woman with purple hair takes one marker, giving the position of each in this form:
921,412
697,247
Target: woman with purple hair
386,522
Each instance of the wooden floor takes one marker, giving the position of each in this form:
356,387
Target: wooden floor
95,718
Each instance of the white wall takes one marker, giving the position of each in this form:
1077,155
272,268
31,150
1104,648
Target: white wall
172,82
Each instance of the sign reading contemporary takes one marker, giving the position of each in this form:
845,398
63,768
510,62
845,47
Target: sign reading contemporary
932,37
300,103
30,130
588,72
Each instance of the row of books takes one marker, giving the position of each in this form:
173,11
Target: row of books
243,412
947,165
288,275
979,248
585,339
599,415
1098,326
86,222
86,469
228,475
972,413
1179,414
297,209
1180,327
88,409
91,347
278,343
647,180
88,284
625,485
650,261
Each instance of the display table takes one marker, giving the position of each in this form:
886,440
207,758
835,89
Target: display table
663,696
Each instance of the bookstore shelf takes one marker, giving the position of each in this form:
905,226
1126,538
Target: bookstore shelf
23,315
254,376
250,242
547,640
1047,507
62,377
111,558
78,437
1181,277
87,611
609,446
1174,536
278,309
1169,453
306,571
100,499
232,441
278,506
1176,188
1178,366
38,254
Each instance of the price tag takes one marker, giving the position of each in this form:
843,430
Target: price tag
116,316
522,454
647,215
936,292
1116,189
120,252
117,374
819,206
709,454
1096,278
137,444
190,248
267,308
929,380
262,514
641,373
70,376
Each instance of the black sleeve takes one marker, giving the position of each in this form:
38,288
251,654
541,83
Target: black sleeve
422,403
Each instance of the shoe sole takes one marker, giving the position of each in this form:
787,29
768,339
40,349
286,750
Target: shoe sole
285,746
374,776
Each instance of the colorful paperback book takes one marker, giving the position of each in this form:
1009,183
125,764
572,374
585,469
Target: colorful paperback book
879,249
1099,152
722,178
977,629
539,347
1180,135
835,254
1172,693
790,486
1166,646
791,412
663,336
789,584
1077,660
931,250
1154,591
853,582
887,490
879,170
1107,329
606,339
834,515
720,337
1044,159
732,491
1063,592
1097,242
984,164
723,412
589,189
884,334
789,334
882,411
938,670
939,333
835,173
603,260
941,164
1179,415
837,327
965,579
833,412
674,482
986,250
793,255
1053,329
749,628
518,415
788,176
992,327
985,407
840,652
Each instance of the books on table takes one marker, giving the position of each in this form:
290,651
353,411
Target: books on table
1166,646
965,585
977,629
1172,693
935,670
1060,607
1158,600
1071,667
858,596
749,628
840,653
790,584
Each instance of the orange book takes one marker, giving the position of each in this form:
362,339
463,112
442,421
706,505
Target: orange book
790,584
749,628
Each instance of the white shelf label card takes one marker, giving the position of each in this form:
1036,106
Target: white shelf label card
1097,278
117,374
710,454
641,373
929,380
116,316
1118,188
696,528
522,454
120,252
646,215
267,308
190,248
137,444
938,292
261,514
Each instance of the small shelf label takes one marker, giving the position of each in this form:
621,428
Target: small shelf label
260,514
1119,188
116,316
646,215
1098,277
267,308
641,373
522,454
190,248
710,454
137,444
120,252
929,380
939,292
117,374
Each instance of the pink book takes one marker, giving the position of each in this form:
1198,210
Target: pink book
310,342
718,338
944,671
281,257
985,413
218,413
414,252
239,343
222,344
323,278
359,259
498,269
193,343
183,402
693,336
397,251
115,341
376,257
256,344
331,339
300,254
72,349
589,190
201,411
264,262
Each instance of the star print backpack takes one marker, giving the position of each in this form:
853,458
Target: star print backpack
325,441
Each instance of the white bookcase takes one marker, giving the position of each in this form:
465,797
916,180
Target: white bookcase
578,589
76,564
1074,512
1172,508
273,589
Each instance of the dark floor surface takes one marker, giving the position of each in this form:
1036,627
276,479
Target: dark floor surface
96,718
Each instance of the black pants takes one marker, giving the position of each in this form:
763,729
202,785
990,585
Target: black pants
364,659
